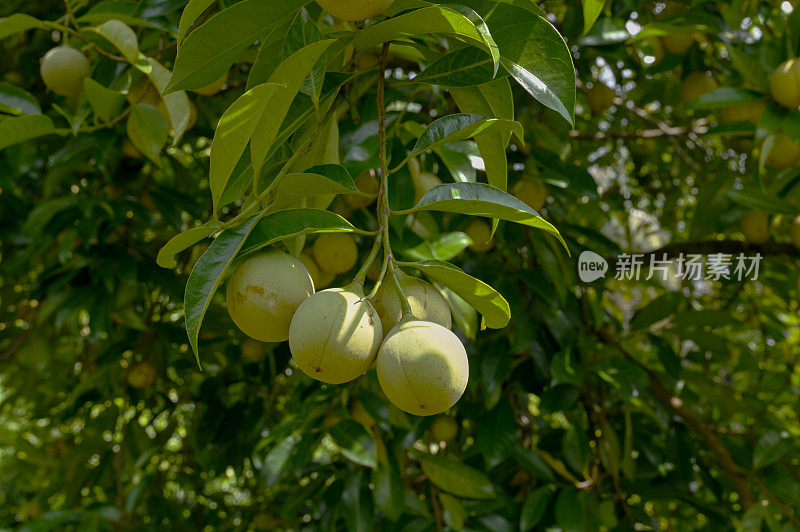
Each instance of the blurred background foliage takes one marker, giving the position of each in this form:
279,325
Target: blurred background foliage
649,404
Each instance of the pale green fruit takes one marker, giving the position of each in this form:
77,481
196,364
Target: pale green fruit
755,226
335,252
354,9
264,292
784,152
366,182
599,97
784,84
423,182
422,367
63,70
697,84
444,428
481,235
141,375
335,335
425,301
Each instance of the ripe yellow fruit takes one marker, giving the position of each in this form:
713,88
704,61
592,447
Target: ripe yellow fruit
360,414
795,231
784,152
141,375
678,43
322,279
335,252
335,335
755,226
366,182
264,292
696,84
599,97
425,301
444,428
531,191
63,70
480,233
253,350
423,182
213,87
744,112
784,84
354,9
144,92
422,367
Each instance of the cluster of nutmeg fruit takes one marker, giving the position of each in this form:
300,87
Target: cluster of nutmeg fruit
335,335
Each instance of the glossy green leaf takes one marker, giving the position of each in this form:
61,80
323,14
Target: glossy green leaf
122,37
479,199
454,512
725,96
17,129
182,241
483,298
147,129
355,442
207,275
445,247
457,127
17,23
318,180
233,133
210,50
534,508
464,315
591,10
192,11
389,489
16,100
281,225
462,68
452,476
176,102
106,103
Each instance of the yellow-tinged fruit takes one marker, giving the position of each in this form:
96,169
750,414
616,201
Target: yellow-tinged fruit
425,301
532,191
366,182
264,292
422,367
354,9
414,168
678,43
599,97
755,226
480,233
696,84
63,70
141,375
253,350
744,112
360,414
784,152
213,87
784,84
795,231
423,182
444,428
129,150
322,279
335,335
335,252
144,92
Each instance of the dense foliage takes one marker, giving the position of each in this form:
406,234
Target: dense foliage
660,402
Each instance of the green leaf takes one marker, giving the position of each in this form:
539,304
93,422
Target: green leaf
464,315
355,442
207,274
591,10
763,201
569,512
147,128
281,225
210,50
17,129
770,448
534,507
723,97
105,102
233,133
463,68
319,180
454,512
457,127
302,33
17,23
122,37
496,432
483,298
16,100
289,76
445,247
267,60
479,199
182,241
454,477
389,489
190,14
177,102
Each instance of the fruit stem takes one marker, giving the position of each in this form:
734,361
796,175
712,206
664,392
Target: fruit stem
376,247
383,192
